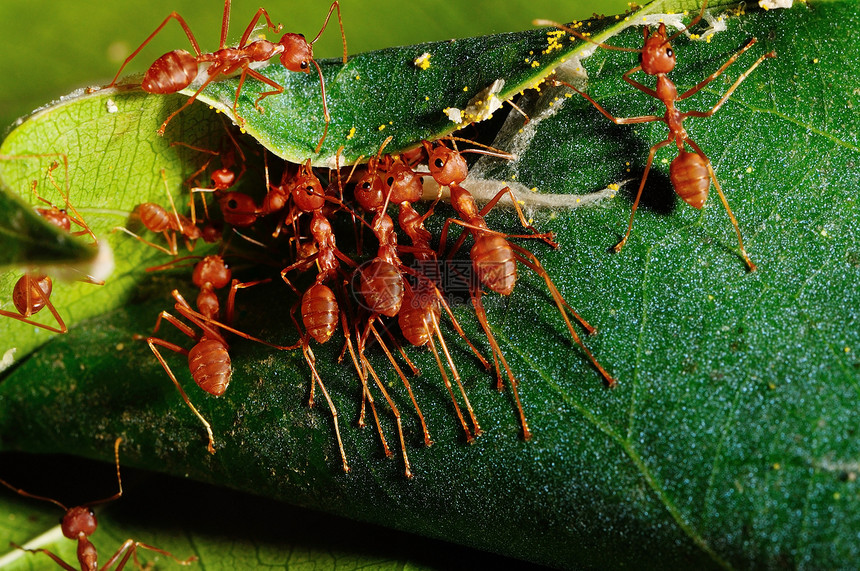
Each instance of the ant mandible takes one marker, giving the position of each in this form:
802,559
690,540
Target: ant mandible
176,70
691,173
80,523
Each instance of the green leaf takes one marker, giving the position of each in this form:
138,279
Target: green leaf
728,439
404,93
32,240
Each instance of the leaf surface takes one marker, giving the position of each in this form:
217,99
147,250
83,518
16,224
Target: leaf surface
728,440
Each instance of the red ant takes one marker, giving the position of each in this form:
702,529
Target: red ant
155,218
209,360
32,291
419,308
319,305
176,70
80,523
691,173
495,258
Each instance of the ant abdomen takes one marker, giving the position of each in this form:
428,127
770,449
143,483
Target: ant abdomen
495,263
320,312
154,217
691,178
170,73
210,366
26,296
382,287
415,317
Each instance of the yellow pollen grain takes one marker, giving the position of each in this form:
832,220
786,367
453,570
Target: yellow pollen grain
533,189
351,134
382,127
777,466
466,88
749,170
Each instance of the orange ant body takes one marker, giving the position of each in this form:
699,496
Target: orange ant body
691,173
208,360
418,308
32,292
495,258
79,523
176,70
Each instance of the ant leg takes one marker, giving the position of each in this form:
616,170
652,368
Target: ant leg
171,251
699,86
365,389
152,342
259,77
251,26
77,219
397,419
213,73
454,372
311,360
731,89
533,264
654,149
53,556
326,115
607,114
481,314
547,237
231,297
460,331
172,15
427,440
331,8
750,265
129,549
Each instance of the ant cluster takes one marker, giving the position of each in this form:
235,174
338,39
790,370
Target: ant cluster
364,297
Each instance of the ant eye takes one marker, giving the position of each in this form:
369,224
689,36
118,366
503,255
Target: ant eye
390,181
232,204
439,163
310,190
366,186
305,65
669,52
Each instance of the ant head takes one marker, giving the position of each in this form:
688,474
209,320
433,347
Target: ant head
308,193
405,184
30,293
370,191
446,165
238,209
657,53
79,520
297,54
211,270
223,178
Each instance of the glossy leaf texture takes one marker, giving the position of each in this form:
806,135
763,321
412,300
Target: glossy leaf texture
404,92
729,439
